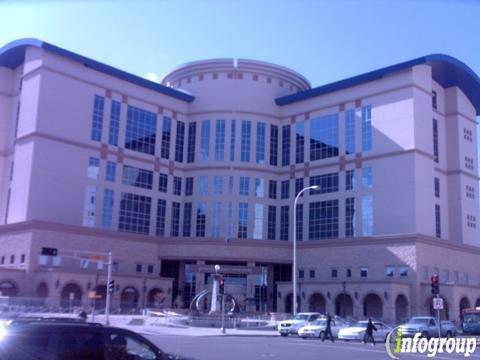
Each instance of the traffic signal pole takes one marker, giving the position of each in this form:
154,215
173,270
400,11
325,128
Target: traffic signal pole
109,278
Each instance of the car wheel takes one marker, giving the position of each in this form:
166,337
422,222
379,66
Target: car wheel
320,335
284,334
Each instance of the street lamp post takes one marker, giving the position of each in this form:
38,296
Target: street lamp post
219,276
294,269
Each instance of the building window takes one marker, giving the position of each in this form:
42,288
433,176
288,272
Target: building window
177,185
259,188
114,126
201,219
435,140
367,177
232,140
438,224
260,153
469,163
245,141
298,186
93,168
2,260
150,269
272,223
470,192
323,220
258,222
141,130
244,185
389,271
189,186
187,219
139,268
273,145
111,171
160,221
367,215
205,141
334,273
22,259
350,180
350,131
217,185
175,222
350,217
216,213
286,145
348,272
242,220
364,272
285,189
366,128
229,220
324,137
107,211
97,119
137,177
327,183
163,183
284,222
220,140
134,214
468,135
312,274
202,185
192,132
403,271
301,273
471,221
272,189
434,100
299,215
437,187
299,142
179,142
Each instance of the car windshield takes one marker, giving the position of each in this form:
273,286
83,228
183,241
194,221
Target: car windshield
321,322
301,317
419,321
471,318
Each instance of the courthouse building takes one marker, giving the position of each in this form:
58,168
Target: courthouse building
203,169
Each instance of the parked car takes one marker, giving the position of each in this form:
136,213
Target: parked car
317,328
357,331
471,321
290,327
427,326
56,340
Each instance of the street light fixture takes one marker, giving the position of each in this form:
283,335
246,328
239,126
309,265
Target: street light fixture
294,267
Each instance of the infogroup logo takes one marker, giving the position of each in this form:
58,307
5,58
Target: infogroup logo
431,347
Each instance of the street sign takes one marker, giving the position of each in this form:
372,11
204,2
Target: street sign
437,303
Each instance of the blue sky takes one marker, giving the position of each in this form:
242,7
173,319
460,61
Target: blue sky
323,40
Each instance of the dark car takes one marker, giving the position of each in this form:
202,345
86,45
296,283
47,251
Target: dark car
41,340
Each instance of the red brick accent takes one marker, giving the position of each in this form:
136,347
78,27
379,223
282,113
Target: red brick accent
341,107
108,94
358,160
156,166
174,115
160,110
358,103
103,151
124,99
120,156
292,171
292,119
171,167
306,170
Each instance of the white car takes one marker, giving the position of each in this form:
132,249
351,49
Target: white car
317,328
357,331
290,327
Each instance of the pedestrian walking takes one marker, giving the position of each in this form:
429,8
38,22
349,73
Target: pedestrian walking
369,332
328,329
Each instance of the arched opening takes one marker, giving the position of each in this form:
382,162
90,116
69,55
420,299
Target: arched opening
129,298
444,314
464,304
401,308
317,303
373,306
344,305
156,298
42,290
8,288
71,295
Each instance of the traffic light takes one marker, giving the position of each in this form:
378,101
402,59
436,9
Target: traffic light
49,251
221,286
111,286
434,283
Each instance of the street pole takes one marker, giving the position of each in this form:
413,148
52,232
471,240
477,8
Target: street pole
95,297
294,266
438,321
109,278
223,313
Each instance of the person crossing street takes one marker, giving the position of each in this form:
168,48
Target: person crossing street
369,332
328,330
